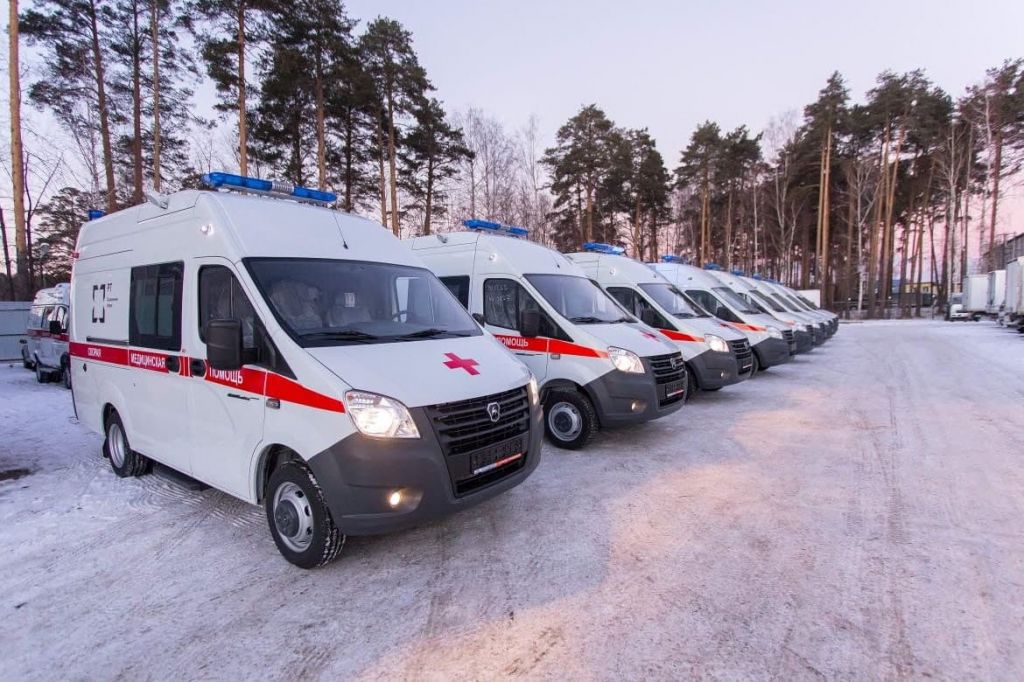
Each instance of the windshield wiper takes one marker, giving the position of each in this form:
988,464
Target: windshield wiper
590,319
342,335
430,333
685,316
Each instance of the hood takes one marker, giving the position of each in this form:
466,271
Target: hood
633,336
430,372
711,325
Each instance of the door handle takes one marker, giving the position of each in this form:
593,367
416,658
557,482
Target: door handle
173,364
197,367
238,396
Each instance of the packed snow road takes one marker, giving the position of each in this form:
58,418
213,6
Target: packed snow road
859,512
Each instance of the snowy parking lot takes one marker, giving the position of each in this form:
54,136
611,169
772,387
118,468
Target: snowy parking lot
858,512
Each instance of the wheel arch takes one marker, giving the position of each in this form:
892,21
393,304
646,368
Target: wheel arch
269,458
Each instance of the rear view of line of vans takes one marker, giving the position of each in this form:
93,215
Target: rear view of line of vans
296,357
597,365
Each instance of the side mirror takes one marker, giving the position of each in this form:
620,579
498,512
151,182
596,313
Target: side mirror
56,327
650,317
480,319
224,344
530,323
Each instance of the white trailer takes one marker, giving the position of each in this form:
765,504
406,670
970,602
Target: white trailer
1013,306
975,295
996,292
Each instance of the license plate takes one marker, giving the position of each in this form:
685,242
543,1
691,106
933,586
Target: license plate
675,388
499,455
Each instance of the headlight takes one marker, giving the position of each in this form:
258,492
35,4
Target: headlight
625,360
717,343
774,333
380,417
533,390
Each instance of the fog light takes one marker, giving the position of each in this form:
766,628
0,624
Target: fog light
395,498
637,406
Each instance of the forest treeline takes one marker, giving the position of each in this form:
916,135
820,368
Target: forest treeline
845,196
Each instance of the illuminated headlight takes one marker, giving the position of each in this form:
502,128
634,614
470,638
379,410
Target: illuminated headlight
625,360
533,390
380,417
717,343
774,333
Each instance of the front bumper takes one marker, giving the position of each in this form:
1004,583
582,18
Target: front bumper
771,352
715,370
621,398
357,474
804,341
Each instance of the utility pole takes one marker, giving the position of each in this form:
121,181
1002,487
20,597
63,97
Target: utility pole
17,153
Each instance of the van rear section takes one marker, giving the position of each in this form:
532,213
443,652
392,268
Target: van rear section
597,365
296,357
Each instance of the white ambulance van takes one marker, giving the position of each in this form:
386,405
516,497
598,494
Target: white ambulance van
296,357
45,346
809,328
597,365
716,355
803,330
830,319
772,341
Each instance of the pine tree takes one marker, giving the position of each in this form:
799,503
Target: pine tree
350,108
698,169
431,153
400,84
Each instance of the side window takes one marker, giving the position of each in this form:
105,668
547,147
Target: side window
61,315
505,300
637,304
626,298
709,302
459,286
154,318
35,317
221,298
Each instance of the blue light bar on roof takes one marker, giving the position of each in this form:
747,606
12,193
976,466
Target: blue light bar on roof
598,247
511,230
712,266
230,181
738,272
95,214
671,259
757,277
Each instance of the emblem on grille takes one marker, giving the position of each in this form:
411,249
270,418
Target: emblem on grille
677,362
494,411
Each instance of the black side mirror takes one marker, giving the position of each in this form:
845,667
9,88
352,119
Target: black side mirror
649,317
530,322
56,327
480,319
224,344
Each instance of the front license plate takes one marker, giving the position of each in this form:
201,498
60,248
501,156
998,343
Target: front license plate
675,388
499,455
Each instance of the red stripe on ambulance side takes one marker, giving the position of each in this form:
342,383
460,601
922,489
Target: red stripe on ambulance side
747,327
247,379
680,336
546,345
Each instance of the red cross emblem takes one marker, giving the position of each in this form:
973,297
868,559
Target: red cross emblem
455,362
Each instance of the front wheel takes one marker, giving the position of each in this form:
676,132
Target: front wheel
691,384
65,375
26,361
42,376
755,366
123,460
299,519
569,419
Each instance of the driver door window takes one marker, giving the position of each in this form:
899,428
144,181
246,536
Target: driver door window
637,305
221,298
506,300
710,302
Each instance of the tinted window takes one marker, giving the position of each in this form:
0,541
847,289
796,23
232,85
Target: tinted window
221,298
154,319
709,302
638,305
459,286
505,301
577,299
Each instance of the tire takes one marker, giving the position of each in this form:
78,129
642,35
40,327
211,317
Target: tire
691,385
124,461
570,420
299,519
42,376
65,376
26,362
756,366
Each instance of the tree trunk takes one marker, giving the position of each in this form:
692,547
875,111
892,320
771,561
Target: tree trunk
17,153
136,107
243,114
101,105
7,251
589,234
380,168
728,232
321,128
428,203
876,224
349,174
997,166
155,37
395,227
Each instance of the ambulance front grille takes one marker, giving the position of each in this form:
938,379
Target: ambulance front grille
744,356
668,368
466,425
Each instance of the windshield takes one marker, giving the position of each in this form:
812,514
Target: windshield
766,301
337,302
784,303
735,300
674,301
799,300
578,299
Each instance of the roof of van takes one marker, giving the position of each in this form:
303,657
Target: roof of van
612,268
249,225
517,255
687,275
55,295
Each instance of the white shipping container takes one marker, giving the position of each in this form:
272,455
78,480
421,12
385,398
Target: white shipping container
996,292
975,293
1014,304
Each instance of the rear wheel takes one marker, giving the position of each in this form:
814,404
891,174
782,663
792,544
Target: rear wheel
123,460
26,360
42,376
569,419
299,519
65,374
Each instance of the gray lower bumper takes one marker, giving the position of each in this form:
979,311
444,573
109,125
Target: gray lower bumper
357,474
771,352
621,398
715,370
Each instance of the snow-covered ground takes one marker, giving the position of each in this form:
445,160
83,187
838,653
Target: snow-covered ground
857,513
